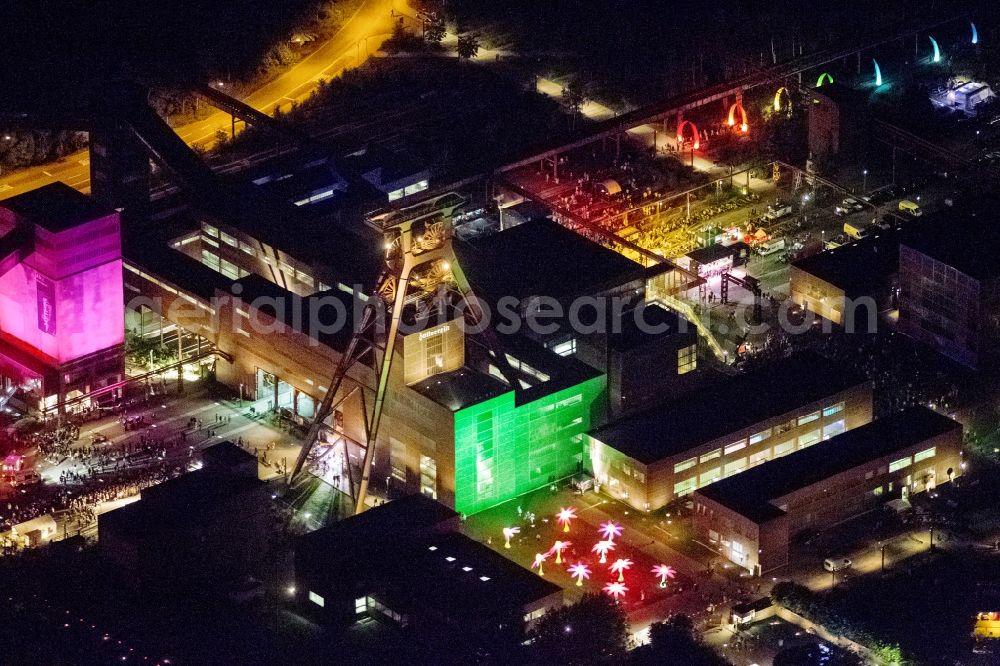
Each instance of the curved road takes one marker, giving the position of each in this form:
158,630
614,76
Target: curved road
362,34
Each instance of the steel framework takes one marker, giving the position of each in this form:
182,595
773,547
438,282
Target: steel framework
414,248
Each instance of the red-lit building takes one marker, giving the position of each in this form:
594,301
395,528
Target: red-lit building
61,299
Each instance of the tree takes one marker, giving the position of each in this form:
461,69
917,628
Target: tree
673,643
574,96
468,45
594,630
435,30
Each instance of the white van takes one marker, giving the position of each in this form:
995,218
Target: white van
836,563
772,246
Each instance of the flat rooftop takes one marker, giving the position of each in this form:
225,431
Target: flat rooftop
55,207
458,577
542,258
407,550
729,405
460,388
859,268
180,502
379,524
971,245
751,493
656,323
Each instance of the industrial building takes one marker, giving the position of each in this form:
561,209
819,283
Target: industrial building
61,305
850,284
838,118
278,311
950,290
209,524
406,564
750,518
650,458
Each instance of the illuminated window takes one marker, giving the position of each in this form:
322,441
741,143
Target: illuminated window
760,456
833,429
760,437
210,259
733,448
416,187
711,455
809,438
808,418
833,409
710,476
878,491
228,240
397,459
360,606
428,476
687,359
534,615
784,448
395,194
209,230
902,463
735,466
567,348
687,464
320,601
925,454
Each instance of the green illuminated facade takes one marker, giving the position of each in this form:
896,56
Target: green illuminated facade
503,450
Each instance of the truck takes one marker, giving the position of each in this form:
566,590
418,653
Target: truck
856,230
778,210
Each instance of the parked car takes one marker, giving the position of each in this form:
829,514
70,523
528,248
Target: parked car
837,563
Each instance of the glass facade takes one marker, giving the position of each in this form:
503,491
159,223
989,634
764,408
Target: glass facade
503,450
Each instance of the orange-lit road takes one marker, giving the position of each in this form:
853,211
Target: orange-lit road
361,35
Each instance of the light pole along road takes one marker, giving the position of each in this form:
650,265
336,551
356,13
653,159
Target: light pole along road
369,26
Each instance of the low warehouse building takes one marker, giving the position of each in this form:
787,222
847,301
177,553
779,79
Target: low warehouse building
651,458
750,518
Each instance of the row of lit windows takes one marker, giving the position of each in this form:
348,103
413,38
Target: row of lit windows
741,464
905,462
756,438
408,190
168,288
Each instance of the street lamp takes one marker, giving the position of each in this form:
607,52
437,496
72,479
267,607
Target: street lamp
864,185
881,546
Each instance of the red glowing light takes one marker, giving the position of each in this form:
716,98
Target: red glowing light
694,133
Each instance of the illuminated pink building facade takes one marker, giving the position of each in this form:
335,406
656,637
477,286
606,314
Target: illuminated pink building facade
61,298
